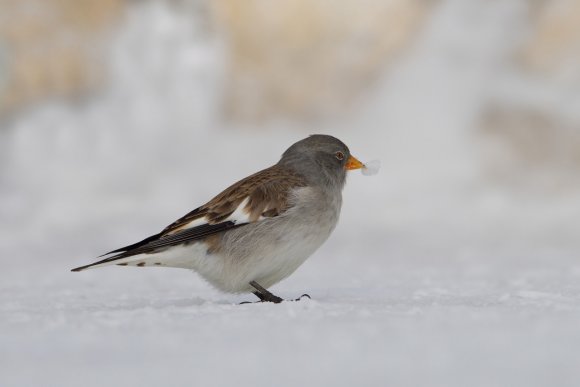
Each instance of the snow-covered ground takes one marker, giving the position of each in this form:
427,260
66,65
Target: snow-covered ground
433,277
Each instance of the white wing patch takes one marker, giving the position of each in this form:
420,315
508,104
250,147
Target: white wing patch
240,215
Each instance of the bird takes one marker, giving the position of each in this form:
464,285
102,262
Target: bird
259,230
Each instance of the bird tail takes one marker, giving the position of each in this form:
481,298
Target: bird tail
135,260
186,257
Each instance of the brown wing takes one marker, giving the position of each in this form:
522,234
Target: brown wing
265,194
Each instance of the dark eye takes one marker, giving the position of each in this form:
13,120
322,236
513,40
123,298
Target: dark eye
339,155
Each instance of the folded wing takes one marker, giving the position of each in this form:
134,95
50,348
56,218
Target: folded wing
259,196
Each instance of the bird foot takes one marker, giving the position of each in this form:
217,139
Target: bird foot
303,296
276,300
266,296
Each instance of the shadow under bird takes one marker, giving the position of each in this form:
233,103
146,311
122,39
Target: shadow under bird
259,230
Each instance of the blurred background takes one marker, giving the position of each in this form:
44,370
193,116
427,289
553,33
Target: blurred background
118,116
127,113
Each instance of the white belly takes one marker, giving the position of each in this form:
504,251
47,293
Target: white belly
266,251
270,250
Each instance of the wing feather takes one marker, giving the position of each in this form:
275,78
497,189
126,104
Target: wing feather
264,194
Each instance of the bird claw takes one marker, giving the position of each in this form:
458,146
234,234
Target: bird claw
276,300
302,296
265,296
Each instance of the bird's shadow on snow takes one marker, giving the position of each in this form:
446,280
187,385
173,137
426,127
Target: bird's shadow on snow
187,303
160,304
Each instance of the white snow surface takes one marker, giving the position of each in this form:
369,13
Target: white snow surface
434,277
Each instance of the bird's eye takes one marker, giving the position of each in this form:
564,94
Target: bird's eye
339,155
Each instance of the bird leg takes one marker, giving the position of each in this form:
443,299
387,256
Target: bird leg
265,296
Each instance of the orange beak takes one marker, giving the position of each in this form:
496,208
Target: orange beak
353,163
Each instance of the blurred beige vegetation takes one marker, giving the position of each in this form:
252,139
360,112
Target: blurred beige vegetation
533,149
47,48
295,58
537,145
289,58
555,42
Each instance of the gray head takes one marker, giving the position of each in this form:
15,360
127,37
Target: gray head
321,160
